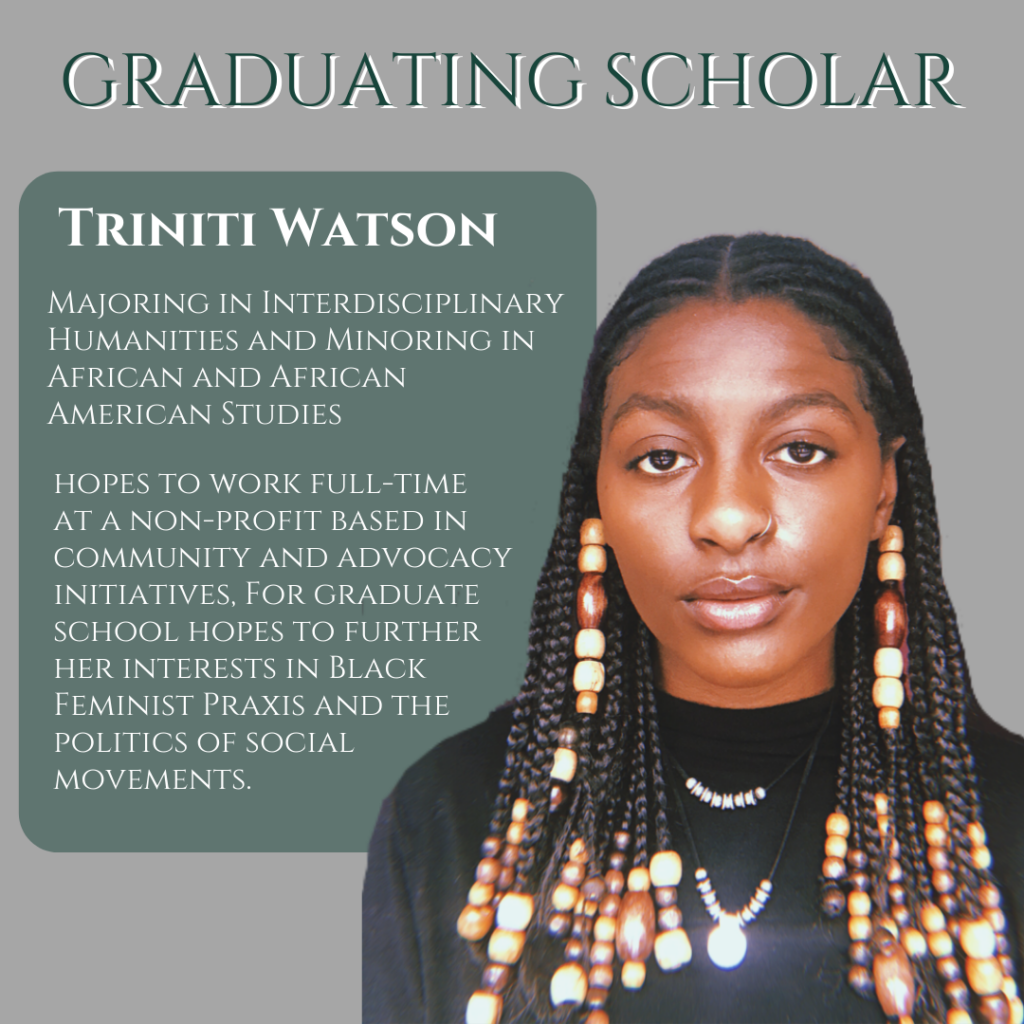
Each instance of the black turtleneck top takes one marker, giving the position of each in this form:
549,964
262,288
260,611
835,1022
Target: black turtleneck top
426,844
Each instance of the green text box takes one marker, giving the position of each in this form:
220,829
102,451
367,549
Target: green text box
448,386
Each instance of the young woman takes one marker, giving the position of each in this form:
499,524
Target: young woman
745,778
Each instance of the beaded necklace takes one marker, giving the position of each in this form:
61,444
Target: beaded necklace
731,801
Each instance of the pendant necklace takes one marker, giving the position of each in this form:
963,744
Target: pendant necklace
727,943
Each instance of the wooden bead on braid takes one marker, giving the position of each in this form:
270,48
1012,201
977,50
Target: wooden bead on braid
837,831
635,928
672,948
893,977
510,913
884,938
484,1008
591,603
981,857
569,985
890,629
890,619
936,835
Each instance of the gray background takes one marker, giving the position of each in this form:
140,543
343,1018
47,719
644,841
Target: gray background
923,201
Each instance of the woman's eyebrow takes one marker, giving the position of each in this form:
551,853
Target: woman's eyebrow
650,403
807,400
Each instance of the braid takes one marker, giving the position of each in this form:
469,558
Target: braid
864,741
909,832
947,682
640,781
657,766
612,740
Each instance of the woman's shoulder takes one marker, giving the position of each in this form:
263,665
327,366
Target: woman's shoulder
438,813
999,765
463,767
999,757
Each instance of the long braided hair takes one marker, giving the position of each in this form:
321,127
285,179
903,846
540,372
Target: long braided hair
619,787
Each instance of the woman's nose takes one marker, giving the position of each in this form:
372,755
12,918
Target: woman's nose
729,509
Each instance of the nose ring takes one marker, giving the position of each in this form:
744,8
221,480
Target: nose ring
767,528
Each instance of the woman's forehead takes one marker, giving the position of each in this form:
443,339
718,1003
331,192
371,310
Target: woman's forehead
710,351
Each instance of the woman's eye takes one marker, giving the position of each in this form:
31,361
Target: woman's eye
802,453
663,461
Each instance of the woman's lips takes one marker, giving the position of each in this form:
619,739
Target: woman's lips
724,604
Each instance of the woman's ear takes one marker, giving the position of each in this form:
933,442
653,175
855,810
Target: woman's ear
887,495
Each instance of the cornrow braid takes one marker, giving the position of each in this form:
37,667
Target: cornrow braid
906,790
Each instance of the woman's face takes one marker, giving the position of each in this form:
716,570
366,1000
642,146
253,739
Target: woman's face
740,483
